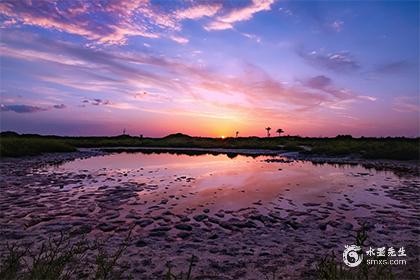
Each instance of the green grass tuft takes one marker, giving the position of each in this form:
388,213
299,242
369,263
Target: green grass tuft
328,268
62,258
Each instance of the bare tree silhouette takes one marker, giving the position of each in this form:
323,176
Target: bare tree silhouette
279,131
268,131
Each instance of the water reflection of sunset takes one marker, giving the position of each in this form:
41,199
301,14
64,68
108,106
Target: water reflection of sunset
220,182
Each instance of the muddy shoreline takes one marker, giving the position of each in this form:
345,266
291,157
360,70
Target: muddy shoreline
244,243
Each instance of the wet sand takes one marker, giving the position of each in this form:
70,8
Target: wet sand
242,217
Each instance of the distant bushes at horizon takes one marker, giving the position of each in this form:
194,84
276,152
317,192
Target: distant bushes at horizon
398,148
16,146
370,149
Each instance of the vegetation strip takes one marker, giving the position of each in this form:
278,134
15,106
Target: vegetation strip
401,148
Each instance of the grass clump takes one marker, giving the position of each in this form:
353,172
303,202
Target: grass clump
62,258
187,275
329,268
106,261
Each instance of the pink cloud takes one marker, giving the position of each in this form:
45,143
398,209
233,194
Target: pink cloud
406,104
179,39
226,21
124,18
198,11
252,37
337,25
174,83
79,18
218,25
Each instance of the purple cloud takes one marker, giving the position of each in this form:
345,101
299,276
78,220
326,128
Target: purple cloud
401,66
337,25
339,62
20,108
104,70
406,104
318,82
326,85
96,102
60,106
100,102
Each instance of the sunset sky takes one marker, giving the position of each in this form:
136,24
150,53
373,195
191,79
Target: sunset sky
210,68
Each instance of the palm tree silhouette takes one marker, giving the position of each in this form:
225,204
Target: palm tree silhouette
280,131
268,131
237,133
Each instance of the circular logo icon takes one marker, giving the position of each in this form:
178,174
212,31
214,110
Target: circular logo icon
352,255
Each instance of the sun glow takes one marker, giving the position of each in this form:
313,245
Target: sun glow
223,137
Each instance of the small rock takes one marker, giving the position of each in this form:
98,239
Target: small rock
200,217
293,224
157,233
141,243
213,236
310,204
144,223
348,226
106,227
183,235
162,228
183,227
